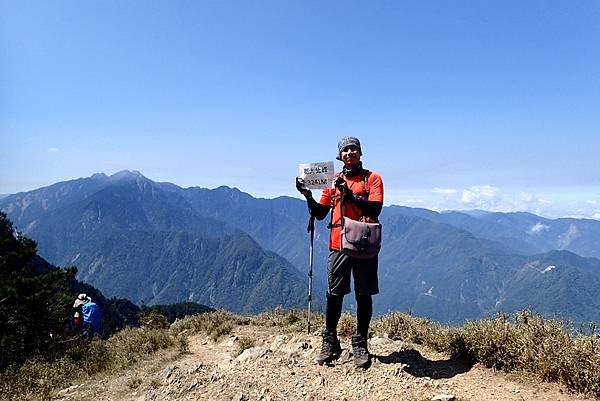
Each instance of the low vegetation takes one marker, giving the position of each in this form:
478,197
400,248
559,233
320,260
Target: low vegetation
288,321
552,350
214,324
244,343
38,378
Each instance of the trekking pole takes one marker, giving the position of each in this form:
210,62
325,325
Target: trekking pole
311,230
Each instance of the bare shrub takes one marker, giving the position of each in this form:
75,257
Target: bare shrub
291,320
153,319
347,325
244,343
214,324
400,326
130,345
550,349
36,379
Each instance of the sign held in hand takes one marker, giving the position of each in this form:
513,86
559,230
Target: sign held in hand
317,175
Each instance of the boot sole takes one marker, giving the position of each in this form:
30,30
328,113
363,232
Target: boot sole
363,366
334,357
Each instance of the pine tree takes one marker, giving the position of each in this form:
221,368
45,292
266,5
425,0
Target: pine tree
34,299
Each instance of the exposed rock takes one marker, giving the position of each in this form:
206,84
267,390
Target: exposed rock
376,341
251,353
229,342
444,397
278,342
166,373
239,397
69,389
296,349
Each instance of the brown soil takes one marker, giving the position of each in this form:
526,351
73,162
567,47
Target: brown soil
281,367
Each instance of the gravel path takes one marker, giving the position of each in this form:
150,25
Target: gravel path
280,367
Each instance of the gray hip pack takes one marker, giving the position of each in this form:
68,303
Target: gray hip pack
360,239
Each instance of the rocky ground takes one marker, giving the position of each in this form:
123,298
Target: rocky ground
279,366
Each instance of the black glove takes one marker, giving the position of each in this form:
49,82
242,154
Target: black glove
302,188
342,185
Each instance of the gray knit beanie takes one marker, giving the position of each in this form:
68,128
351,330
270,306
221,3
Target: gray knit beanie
345,142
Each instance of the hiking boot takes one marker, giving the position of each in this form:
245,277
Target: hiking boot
330,350
362,358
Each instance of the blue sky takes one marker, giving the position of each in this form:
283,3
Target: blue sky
459,105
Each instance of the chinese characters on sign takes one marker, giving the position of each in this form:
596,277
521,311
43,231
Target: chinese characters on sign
317,175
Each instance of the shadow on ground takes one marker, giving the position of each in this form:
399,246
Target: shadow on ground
419,366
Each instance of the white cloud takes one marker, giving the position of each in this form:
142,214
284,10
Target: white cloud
481,197
415,201
52,150
444,191
538,228
493,199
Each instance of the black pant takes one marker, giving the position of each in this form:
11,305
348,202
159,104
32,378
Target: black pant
364,311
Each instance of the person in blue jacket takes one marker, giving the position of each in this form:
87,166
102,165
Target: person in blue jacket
90,314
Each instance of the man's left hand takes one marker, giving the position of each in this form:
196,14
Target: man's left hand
342,186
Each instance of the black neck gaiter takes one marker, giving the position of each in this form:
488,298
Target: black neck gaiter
354,171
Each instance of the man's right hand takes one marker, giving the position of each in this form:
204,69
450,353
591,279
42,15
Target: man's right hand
302,188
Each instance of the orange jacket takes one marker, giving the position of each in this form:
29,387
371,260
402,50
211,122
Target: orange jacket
331,198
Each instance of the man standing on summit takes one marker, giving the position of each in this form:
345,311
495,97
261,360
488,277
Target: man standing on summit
358,193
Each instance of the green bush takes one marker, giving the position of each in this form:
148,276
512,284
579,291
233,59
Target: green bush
399,326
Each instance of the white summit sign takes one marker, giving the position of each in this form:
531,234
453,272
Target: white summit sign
317,175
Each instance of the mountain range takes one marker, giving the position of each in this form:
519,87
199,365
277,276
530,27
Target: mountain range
156,242
136,239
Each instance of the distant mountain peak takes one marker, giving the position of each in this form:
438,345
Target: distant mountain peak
472,212
127,174
99,176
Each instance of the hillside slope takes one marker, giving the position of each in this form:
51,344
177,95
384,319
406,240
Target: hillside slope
135,238
159,243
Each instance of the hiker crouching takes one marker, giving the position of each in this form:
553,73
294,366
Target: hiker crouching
87,320
357,194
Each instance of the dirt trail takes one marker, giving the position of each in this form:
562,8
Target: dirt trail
280,367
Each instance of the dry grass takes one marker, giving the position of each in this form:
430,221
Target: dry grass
214,324
288,321
37,379
244,343
551,350
400,326
347,325
525,342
